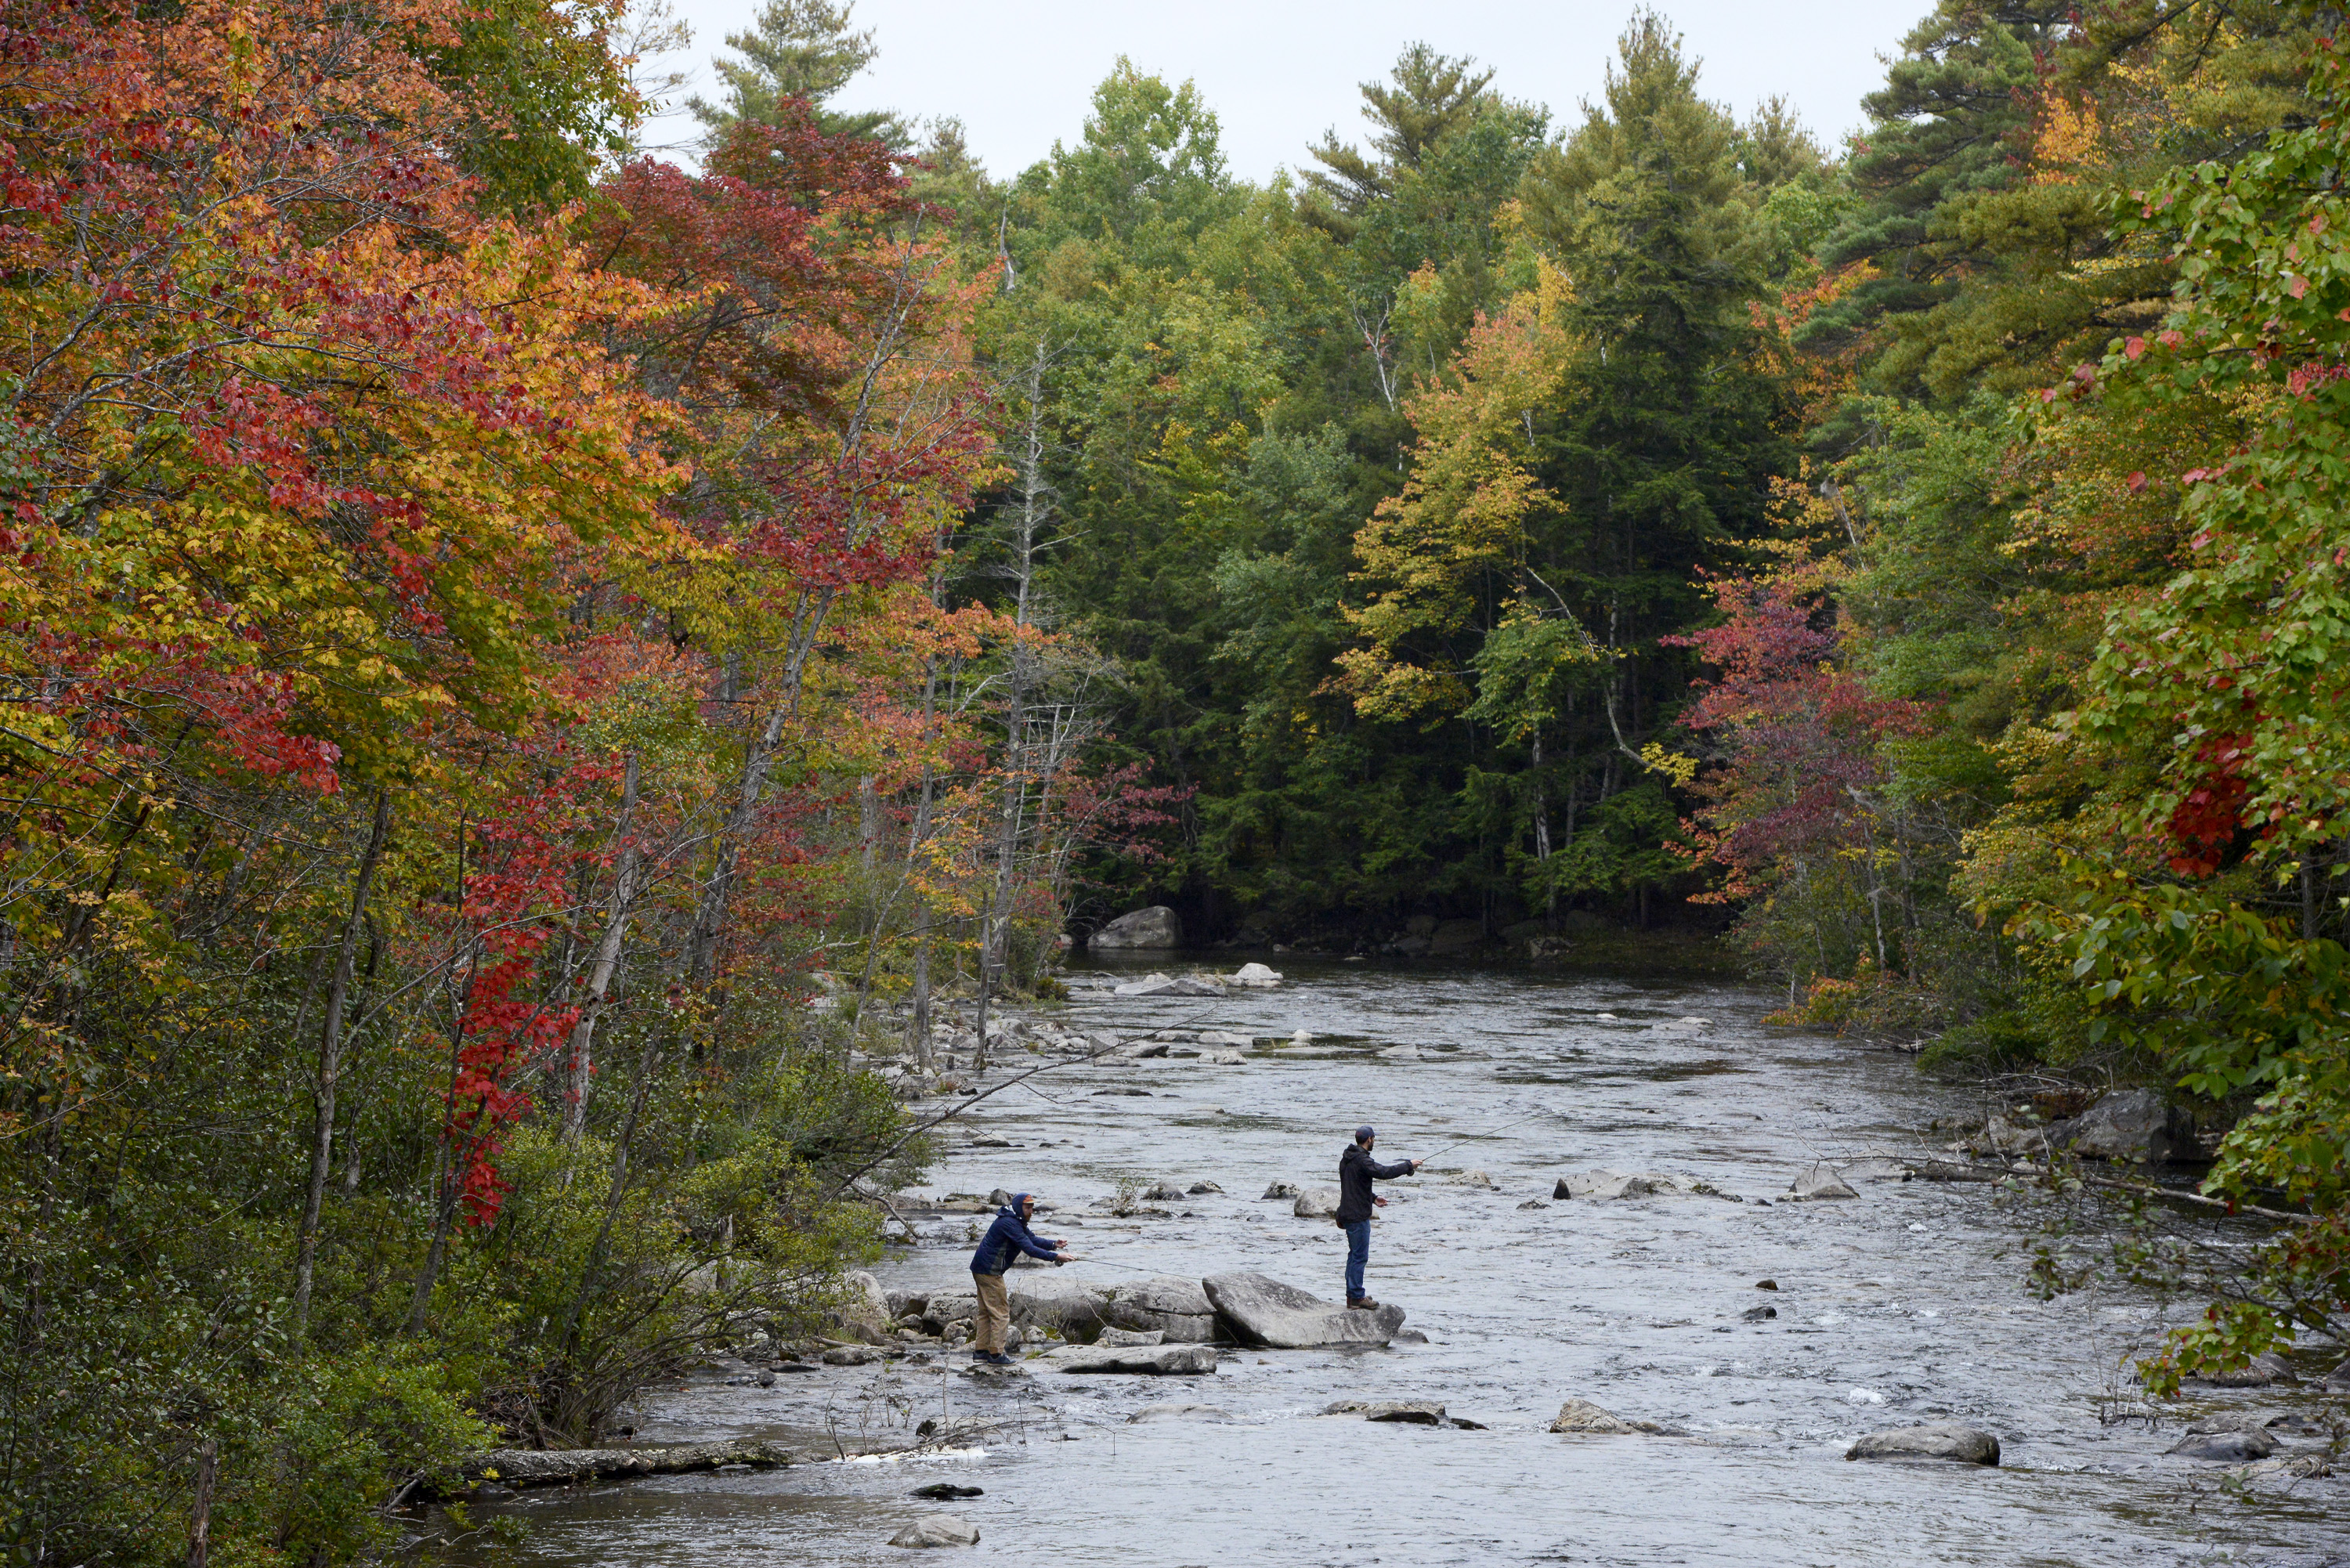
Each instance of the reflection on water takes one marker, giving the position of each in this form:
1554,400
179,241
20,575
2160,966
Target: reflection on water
1904,1305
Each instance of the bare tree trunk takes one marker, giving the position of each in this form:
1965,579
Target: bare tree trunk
1036,508
200,1522
330,1064
602,967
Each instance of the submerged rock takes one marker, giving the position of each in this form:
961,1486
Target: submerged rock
1259,1310
1938,1440
947,1491
939,1530
2262,1370
1820,1181
2229,1446
1156,926
1583,1416
1256,975
1177,1410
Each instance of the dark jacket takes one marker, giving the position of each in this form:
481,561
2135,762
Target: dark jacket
1006,1239
1355,1169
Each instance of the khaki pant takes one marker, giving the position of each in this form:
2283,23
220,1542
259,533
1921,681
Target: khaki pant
994,1313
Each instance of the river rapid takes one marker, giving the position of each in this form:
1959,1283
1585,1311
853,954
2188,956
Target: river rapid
1906,1304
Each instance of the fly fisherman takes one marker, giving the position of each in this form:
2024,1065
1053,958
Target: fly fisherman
1005,1240
1357,1171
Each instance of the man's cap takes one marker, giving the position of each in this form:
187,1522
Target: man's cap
1363,1134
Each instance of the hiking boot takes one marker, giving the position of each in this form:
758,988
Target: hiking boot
1362,1304
1000,1359
980,1355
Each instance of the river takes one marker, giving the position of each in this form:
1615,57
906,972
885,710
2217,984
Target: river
1906,1304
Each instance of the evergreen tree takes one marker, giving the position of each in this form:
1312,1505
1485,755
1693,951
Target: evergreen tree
800,49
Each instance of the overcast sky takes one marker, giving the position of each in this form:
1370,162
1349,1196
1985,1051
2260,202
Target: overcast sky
1018,73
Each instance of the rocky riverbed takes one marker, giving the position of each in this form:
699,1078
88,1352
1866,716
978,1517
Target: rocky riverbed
1639,1323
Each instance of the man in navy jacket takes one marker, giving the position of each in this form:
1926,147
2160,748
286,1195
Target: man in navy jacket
1005,1240
1357,1171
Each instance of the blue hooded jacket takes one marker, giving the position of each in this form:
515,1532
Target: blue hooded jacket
1008,1238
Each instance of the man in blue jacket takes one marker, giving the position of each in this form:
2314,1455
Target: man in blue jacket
1005,1240
1357,1169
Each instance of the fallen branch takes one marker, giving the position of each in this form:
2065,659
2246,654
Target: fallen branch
564,1467
1950,1171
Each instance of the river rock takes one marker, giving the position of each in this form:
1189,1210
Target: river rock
1146,1360
1603,1184
1223,1058
1197,1188
1125,1337
1256,976
1070,1310
1820,1181
1176,1307
1316,1203
1455,936
1936,1440
947,1491
943,1308
938,1529
850,1355
1167,1190
1281,1190
1407,1412
1177,1410
1259,1310
2229,1446
1156,926
1581,1416
2132,1125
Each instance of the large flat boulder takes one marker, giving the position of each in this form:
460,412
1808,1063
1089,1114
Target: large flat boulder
1936,1440
1156,926
1175,1307
1143,1360
1259,1310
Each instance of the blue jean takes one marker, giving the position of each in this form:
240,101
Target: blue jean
1358,1253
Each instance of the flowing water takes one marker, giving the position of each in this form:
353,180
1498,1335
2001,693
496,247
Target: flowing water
1904,1305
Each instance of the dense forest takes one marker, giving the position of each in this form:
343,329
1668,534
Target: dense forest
533,667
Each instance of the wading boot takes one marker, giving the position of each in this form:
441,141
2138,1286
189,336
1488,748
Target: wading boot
1362,1304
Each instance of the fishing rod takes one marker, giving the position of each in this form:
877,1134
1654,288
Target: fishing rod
1489,1132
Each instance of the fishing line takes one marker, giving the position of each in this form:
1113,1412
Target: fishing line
1489,1132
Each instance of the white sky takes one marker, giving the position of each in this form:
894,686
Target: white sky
1019,73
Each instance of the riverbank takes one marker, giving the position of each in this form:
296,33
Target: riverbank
1905,1304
